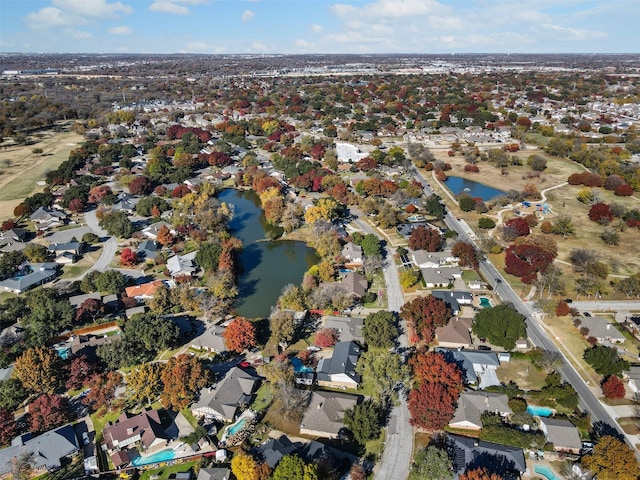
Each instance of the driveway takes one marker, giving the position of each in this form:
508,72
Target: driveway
66,235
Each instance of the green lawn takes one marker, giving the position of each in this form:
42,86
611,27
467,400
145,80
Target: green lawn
166,472
264,395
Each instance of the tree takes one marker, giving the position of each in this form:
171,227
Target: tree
39,370
380,329
424,314
601,213
363,420
526,260
183,378
117,224
46,412
140,185
9,263
612,387
518,227
409,277
22,466
486,223
151,333
433,367
36,253
467,255
128,257
291,467
145,382
357,472
240,335
79,370
611,459
562,309
12,393
381,372
605,360
326,337
90,310
282,326
370,245
466,203
102,389
208,256
502,325
245,467
563,226
76,205
432,405
479,474
8,426
165,237
425,238
431,463
110,282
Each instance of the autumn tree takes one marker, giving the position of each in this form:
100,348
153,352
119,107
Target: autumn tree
380,329
326,337
140,185
39,370
526,260
432,405
183,377
515,227
424,314
79,370
89,310
102,389
8,426
600,213
145,382
282,326
165,237
479,474
612,459
433,367
502,325
240,335
425,238
466,254
613,387
128,257
562,309
245,467
292,467
46,412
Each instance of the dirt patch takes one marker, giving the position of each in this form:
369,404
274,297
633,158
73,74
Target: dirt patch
523,373
21,169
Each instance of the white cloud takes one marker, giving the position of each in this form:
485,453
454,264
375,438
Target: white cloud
573,34
389,9
93,8
81,35
302,43
259,47
202,47
123,30
315,28
168,7
247,15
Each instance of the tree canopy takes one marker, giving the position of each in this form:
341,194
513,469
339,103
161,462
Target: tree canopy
502,325
380,329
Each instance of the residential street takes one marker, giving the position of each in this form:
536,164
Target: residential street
109,246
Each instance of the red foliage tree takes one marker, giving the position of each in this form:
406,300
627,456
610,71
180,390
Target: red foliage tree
128,257
479,474
432,405
600,212
433,367
623,190
612,387
220,159
180,191
20,210
317,151
562,309
7,225
47,411
424,314
466,253
366,164
102,389
76,205
97,193
424,238
8,426
140,185
327,337
240,335
526,260
471,168
90,309
79,370
165,237
519,225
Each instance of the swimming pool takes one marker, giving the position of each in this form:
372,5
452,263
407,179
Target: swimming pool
236,427
485,302
539,411
298,367
545,471
161,456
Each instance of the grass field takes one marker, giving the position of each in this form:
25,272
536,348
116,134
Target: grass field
21,169
522,372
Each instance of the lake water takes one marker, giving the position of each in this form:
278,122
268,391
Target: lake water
458,185
265,266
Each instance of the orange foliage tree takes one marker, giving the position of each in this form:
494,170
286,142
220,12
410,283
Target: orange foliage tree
240,335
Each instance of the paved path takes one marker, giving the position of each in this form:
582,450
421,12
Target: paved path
607,305
109,247
396,458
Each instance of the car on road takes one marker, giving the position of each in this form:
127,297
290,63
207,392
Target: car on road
586,314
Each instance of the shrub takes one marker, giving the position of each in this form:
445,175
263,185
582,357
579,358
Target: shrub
624,190
486,223
471,168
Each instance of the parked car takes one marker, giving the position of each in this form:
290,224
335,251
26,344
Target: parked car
484,348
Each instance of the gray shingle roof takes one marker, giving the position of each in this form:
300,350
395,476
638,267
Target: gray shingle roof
344,359
226,396
473,453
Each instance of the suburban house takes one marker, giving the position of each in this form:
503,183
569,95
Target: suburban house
148,250
272,450
348,153
440,277
352,253
29,277
67,252
471,405
454,298
50,451
325,413
225,399
45,218
78,300
182,265
355,284
144,291
143,431
211,339
13,234
424,259
562,433
456,333
478,367
214,473
633,378
7,246
349,328
470,453
339,370
126,203
602,330
87,344
152,230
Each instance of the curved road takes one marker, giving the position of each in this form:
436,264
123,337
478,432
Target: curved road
588,401
109,247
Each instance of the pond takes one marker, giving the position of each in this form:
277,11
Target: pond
265,266
459,185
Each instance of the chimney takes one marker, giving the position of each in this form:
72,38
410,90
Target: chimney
608,326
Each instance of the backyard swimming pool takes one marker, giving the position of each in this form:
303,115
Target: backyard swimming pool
298,367
161,456
545,471
236,427
485,302
539,411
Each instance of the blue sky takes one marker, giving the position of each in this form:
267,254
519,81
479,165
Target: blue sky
320,26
